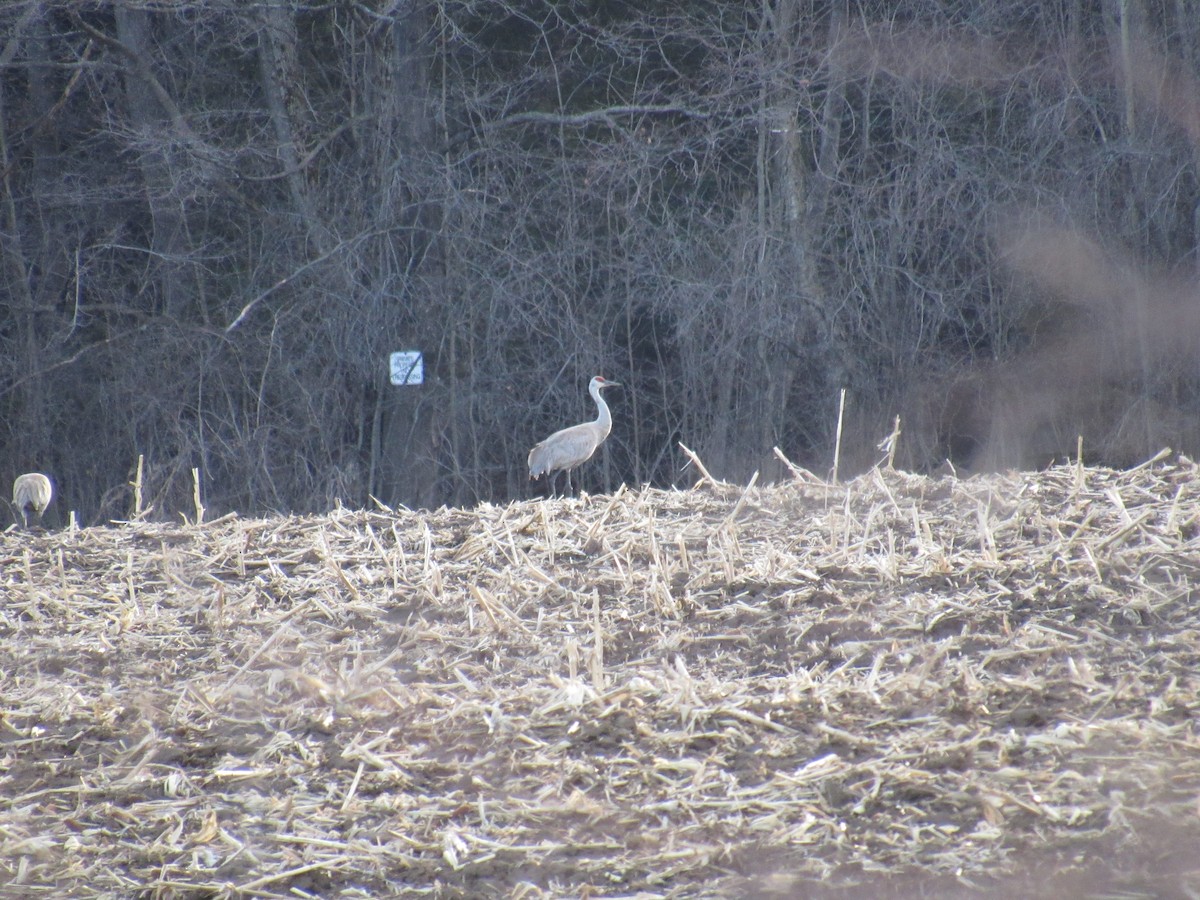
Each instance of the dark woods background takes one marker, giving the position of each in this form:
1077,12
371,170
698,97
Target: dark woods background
218,219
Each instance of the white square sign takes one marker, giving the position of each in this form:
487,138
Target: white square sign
408,367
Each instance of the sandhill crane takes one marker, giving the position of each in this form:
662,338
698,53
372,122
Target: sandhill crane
32,490
566,449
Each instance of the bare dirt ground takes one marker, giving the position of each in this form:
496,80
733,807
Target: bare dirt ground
898,687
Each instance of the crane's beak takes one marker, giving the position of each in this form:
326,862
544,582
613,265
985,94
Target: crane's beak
611,384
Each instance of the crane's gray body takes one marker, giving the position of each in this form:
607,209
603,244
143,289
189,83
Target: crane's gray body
32,491
570,447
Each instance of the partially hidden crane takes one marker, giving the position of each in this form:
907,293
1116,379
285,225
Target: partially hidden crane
566,449
32,491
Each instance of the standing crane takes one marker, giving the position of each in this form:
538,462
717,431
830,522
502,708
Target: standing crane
32,491
566,449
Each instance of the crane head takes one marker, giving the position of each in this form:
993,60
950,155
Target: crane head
601,382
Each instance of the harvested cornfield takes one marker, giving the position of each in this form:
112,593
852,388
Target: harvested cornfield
900,686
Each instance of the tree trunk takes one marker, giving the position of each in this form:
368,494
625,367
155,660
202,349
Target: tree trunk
27,415
401,156
148,119
283,88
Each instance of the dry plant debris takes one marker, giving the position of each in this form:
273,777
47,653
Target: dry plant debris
894,687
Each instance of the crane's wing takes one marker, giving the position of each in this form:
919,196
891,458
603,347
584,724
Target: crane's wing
565,449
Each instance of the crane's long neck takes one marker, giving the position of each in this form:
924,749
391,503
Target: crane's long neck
604,419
